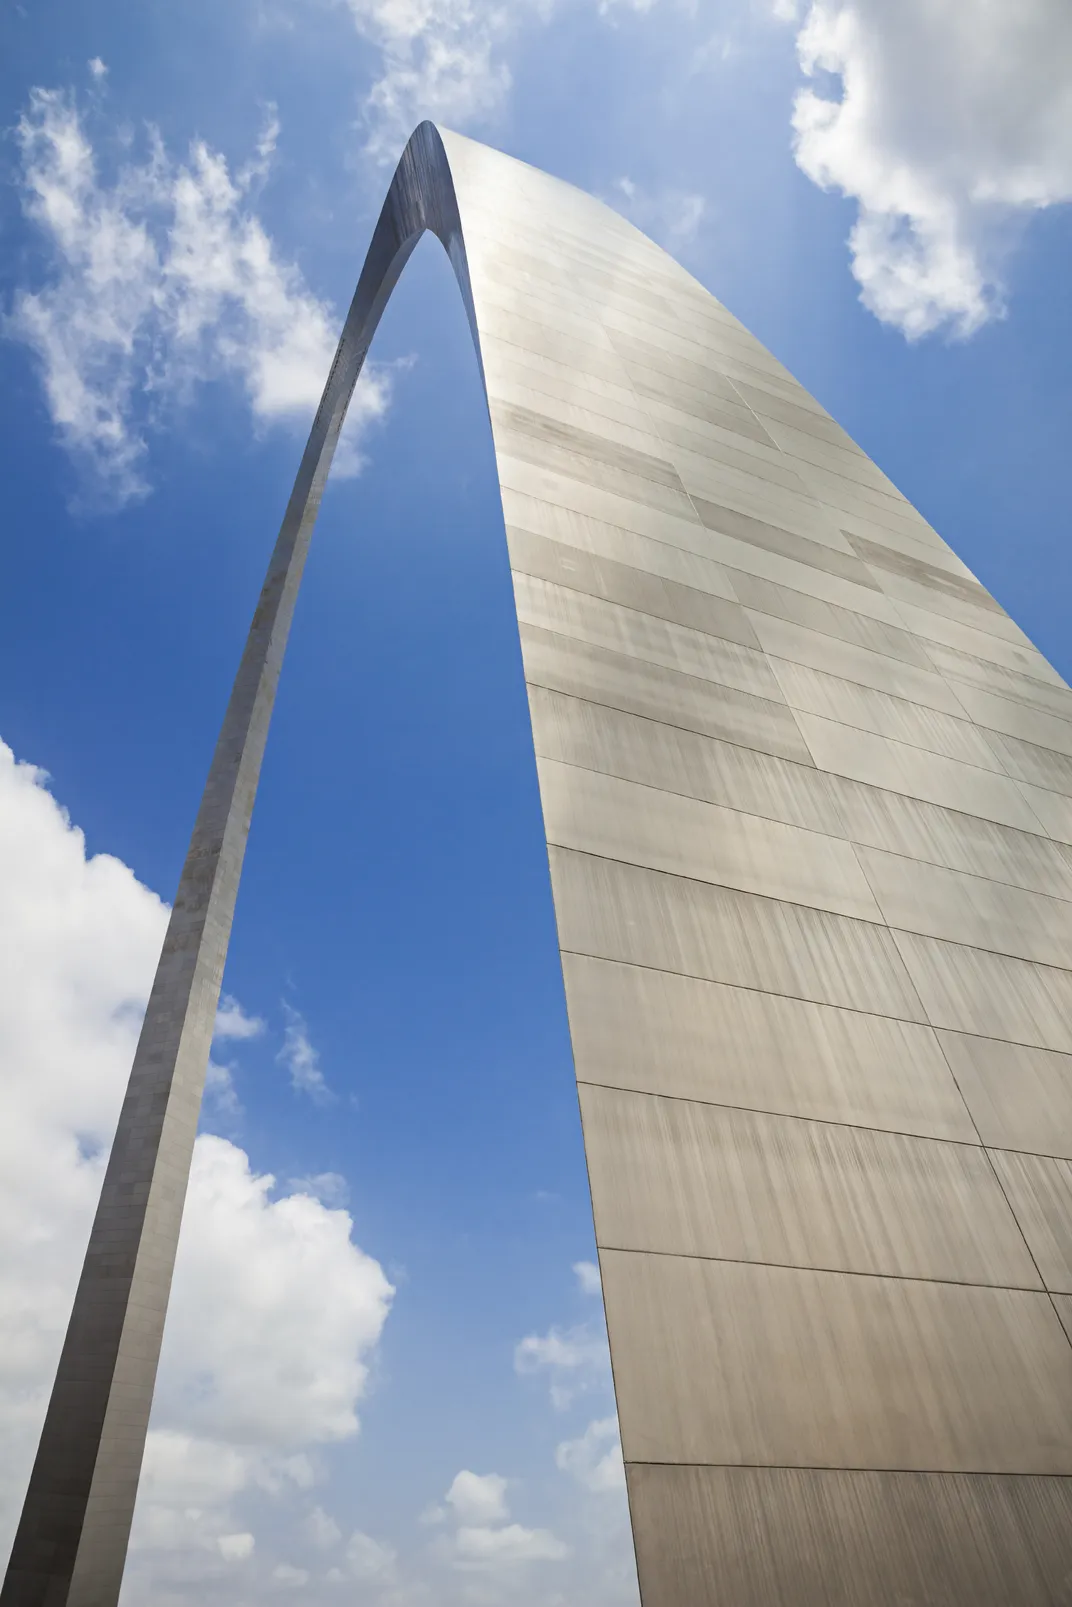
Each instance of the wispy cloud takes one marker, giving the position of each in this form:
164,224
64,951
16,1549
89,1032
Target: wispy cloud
301,1060
572,1359
157,280
670,216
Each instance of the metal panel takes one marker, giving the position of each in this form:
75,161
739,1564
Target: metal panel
1042,767
767,597
657,755
612,541
624,630
789,1537
866,709
1019,1098
1016,720
662,1033
969,909
601,814
820,545
926,831
1015,654
899,767
784,640
680,1178
1039,1189
1052,808
894,561
827,1369
660,694
932,602
629,586
644,917
989,677
970,990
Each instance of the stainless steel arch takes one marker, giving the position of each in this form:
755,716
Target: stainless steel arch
808,799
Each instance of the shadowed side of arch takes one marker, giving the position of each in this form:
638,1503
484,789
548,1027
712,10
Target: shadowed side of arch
807,794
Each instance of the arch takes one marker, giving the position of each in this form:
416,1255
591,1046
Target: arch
768,704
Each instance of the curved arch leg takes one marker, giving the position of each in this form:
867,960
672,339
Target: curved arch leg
806,791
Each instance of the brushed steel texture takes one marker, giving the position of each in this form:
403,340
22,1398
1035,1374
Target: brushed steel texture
735,1363
600,814
603,540
787,1537
1040,767
992,995
865,708
895,766
601,675
661,1033
1015,719
969,909
1014,655
661,755
1019,1098
784,640
678,1177
658,754
617,582
1039,1189
644,917
767,597
625,630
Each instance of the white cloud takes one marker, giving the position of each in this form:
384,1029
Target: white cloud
322,1530
575,1360
440,59
161,279
367,1558
588,1279
232,1022
97,68
275,1312
330,1188
300,1058
284,1573
235,1547
479,1547
951,125
595,1458
671,217
478,1498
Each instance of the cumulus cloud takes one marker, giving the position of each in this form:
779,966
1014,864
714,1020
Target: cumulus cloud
949,122
594,1459
478,1497
275,1311
159,279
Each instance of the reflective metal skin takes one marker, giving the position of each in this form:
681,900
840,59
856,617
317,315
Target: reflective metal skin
808,800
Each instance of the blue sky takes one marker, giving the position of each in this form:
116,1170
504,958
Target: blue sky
185,196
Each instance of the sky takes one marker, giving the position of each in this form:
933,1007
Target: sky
385,1380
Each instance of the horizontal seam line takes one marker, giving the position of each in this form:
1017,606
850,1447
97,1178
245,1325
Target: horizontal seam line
1039,1289
830,1467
